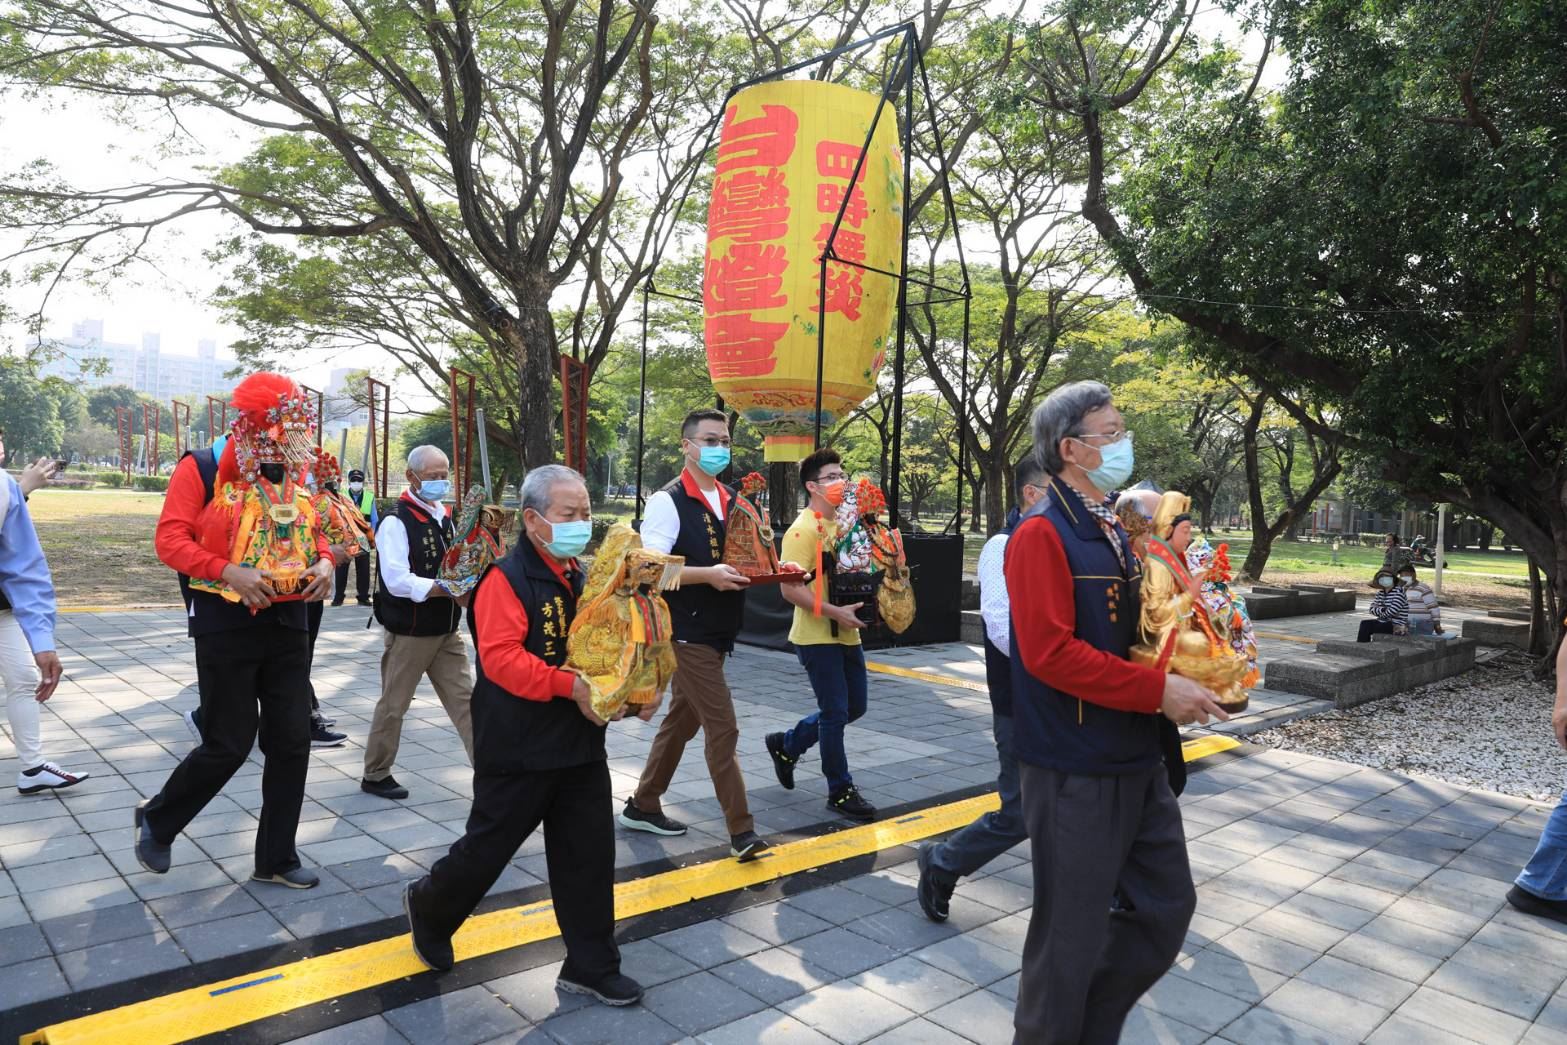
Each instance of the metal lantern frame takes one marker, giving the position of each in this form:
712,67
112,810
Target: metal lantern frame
898,88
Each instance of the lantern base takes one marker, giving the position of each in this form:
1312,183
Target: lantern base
787,449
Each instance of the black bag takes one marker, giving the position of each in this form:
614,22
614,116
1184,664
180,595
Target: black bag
845,589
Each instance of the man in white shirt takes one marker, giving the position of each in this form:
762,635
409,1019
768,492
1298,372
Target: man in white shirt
688,518
943,863
420,619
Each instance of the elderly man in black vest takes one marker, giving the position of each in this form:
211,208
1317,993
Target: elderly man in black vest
420,619
538,754
688,518
1113,891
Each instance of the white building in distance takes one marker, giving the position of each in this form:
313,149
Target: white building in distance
88,361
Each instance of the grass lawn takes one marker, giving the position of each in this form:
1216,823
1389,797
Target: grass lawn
1471,578
99,545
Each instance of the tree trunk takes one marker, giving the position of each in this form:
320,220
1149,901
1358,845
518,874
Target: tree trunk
976,514
1263,533
996,500
531,338
1537,629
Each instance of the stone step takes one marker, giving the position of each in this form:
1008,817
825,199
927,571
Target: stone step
1497,631
1351,673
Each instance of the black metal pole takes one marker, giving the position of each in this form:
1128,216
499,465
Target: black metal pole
895,491
963,419
642,406
821,328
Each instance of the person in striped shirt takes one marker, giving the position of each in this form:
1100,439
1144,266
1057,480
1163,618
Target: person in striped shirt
1389,609
1425,610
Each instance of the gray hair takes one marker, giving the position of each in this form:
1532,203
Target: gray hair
419,457
539,485
1061,415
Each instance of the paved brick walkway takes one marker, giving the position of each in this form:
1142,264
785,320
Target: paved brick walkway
1336,903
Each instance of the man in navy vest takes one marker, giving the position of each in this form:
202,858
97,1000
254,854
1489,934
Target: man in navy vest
942,864
688,518
420,619
1113,891
364,500
538,752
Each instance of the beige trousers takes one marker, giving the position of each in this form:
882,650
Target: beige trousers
405,660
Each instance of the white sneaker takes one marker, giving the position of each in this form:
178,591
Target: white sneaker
48,777
190,724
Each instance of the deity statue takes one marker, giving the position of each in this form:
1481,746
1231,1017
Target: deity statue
621,639
1177,633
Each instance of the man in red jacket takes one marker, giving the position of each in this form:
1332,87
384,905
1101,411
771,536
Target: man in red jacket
538,752
221,517
1113,891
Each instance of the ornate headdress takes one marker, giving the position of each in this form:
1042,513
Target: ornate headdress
275,426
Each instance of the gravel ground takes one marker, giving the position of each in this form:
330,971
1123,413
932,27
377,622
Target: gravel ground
1488,729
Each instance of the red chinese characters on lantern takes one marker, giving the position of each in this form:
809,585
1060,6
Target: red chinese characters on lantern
750,207
844,290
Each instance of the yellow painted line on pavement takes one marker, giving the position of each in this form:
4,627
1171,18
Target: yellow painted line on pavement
235,1002
1286,637
1202,747
926,676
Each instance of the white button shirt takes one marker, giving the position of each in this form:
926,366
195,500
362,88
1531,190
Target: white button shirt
391,548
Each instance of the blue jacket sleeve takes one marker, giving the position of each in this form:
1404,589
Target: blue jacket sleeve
24,575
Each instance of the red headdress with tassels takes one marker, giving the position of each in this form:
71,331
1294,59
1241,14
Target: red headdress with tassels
274,426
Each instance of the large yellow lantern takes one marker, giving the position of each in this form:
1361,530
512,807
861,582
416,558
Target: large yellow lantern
785,159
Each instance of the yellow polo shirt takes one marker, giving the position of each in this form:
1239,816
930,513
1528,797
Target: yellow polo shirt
799,546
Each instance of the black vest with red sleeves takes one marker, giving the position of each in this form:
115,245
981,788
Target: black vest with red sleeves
512,734
701,613
427,541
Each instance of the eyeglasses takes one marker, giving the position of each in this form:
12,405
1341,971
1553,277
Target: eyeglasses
836,477
713,440
1109,438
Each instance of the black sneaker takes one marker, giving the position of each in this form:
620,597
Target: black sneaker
386,787
783,765
935,890
298,878
1529,903
849,805
430,946
614,989
364,602
336,603
653,823
747,846
320,736
150,853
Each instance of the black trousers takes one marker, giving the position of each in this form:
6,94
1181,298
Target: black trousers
1097,840
361,579
574,805
313,614
251,680
1369,628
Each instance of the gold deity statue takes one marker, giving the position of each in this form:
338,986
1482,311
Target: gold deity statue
1176,633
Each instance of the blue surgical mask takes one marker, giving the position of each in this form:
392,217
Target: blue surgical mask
568,539
433,490
1115,466
714,459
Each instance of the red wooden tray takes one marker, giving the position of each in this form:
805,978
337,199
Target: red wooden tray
787,577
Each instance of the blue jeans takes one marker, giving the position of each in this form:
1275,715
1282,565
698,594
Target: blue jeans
837,674
995,832
1546,873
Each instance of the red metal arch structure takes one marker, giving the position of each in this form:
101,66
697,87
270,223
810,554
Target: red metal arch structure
320,409
151,424
574,412
122,424
219,422
181,421
461,402
379,396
